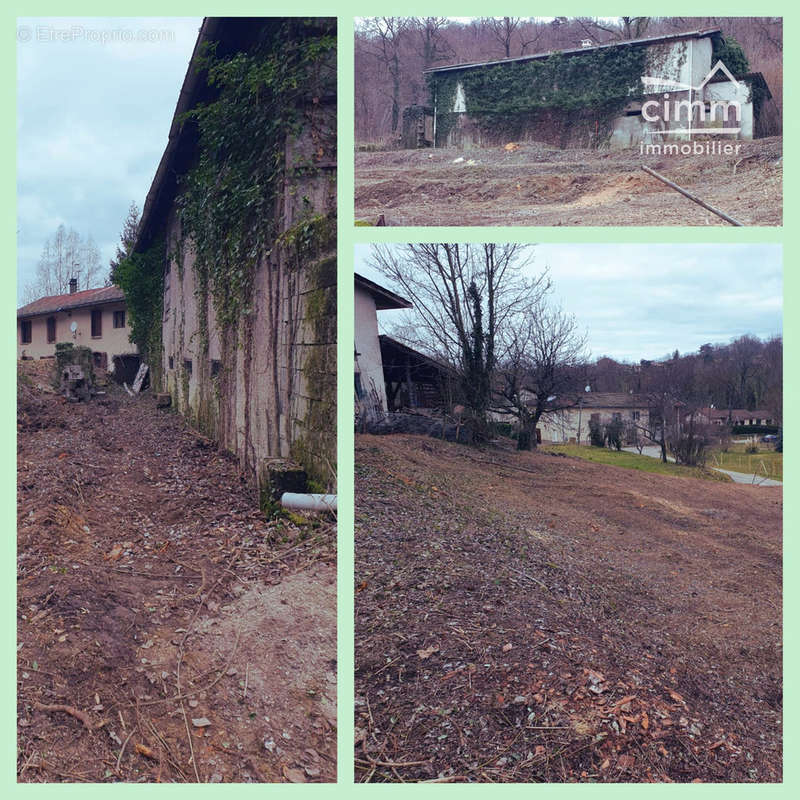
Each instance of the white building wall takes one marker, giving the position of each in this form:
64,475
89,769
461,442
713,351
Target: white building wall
112,341
368,360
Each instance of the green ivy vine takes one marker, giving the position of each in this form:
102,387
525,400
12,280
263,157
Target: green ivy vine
229,202
500,97
727,50
141,277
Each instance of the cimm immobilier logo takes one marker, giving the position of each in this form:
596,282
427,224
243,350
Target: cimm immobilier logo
691,112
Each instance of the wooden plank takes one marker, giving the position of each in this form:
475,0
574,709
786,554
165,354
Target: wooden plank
139,379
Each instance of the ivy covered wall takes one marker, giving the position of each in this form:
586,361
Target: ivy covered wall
552,95
249,332
571,99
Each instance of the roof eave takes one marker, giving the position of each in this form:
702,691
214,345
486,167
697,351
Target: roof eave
575,50
391,301
193,76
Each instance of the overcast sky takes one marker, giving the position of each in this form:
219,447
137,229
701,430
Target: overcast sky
92,122
645,301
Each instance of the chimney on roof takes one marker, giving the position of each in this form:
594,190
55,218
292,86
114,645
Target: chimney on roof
73,285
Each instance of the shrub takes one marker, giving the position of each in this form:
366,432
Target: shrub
613,434
597,436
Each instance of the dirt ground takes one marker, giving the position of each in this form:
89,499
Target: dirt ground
538,184
167,632
524,617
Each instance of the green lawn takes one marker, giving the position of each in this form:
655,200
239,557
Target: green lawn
766,463
602,455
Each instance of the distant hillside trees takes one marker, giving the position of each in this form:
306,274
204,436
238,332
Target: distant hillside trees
391,53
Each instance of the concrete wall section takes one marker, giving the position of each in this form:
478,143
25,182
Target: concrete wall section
368,362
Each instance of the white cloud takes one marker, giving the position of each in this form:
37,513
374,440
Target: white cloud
92,122
645,301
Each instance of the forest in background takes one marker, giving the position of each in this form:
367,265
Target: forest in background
391,53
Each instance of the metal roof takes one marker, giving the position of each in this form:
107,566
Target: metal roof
650,40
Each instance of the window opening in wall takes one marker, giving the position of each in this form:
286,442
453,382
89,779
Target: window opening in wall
97,324
25,331
51,330
119,319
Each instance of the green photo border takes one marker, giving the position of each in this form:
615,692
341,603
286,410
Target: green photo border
346,10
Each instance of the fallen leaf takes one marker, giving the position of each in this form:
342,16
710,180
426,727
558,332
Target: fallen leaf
645,720
201,722
428,652
507,647
625,700
626,762
144,750
115,553
716,744
293,775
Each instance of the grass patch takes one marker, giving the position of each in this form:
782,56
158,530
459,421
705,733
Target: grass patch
602,455
766,463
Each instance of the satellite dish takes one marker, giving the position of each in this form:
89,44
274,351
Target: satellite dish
587,388
73,326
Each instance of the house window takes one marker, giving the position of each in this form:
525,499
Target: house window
215,367
119,319
97,324
172,362
635,415
51,330
25,331
187,365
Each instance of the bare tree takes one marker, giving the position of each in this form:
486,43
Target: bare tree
624,29
544,369
432,44
387,33
65,255
464,296
503,29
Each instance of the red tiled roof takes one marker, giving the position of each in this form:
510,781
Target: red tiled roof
64,302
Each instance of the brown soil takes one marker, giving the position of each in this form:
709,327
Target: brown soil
530,617
541,185
153,592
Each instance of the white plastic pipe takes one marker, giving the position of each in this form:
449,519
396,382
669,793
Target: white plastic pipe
308,502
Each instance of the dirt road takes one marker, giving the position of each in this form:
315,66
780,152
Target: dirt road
532,617
166,631
540,185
